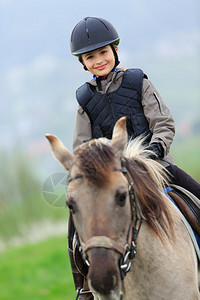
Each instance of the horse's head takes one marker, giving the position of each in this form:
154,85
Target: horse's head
98,200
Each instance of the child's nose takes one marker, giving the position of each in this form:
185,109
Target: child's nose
99,59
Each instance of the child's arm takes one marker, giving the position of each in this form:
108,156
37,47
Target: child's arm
82,129
161,122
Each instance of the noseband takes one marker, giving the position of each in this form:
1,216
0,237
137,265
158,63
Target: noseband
128,251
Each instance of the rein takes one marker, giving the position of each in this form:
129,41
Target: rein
127,251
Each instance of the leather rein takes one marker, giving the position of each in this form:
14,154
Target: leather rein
128,251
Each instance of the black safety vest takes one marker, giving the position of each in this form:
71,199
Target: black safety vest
105,109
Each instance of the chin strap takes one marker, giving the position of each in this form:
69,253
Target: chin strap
98,79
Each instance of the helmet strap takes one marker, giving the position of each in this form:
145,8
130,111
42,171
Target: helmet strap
116,57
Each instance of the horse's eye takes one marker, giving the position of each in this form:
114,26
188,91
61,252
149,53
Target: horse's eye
120,198
71,205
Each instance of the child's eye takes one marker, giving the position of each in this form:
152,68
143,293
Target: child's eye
89,57
103,51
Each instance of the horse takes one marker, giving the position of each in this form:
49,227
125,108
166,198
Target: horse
130,234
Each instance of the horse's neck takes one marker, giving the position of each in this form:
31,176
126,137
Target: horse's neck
159,269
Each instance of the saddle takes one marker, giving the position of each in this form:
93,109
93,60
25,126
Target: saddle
188,204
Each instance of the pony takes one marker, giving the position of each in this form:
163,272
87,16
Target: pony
129,233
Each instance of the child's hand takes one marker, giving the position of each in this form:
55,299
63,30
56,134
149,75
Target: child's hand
157,150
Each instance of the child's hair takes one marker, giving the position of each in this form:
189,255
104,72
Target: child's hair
81,61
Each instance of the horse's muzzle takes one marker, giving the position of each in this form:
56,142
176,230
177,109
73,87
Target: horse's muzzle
104,275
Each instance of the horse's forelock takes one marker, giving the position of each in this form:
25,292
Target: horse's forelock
97,161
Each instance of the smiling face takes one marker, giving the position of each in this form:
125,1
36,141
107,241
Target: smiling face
99,62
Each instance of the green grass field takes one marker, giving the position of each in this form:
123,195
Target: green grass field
186,154
35,272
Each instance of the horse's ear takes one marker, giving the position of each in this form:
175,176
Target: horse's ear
61,153
119,137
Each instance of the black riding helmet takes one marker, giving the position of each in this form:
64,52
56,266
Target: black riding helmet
92,33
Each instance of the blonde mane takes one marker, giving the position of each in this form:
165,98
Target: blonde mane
135,150
150,178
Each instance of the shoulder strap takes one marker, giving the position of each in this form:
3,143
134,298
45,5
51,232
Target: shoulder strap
83,94
133,79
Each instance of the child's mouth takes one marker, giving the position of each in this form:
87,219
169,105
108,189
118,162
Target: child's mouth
101,67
